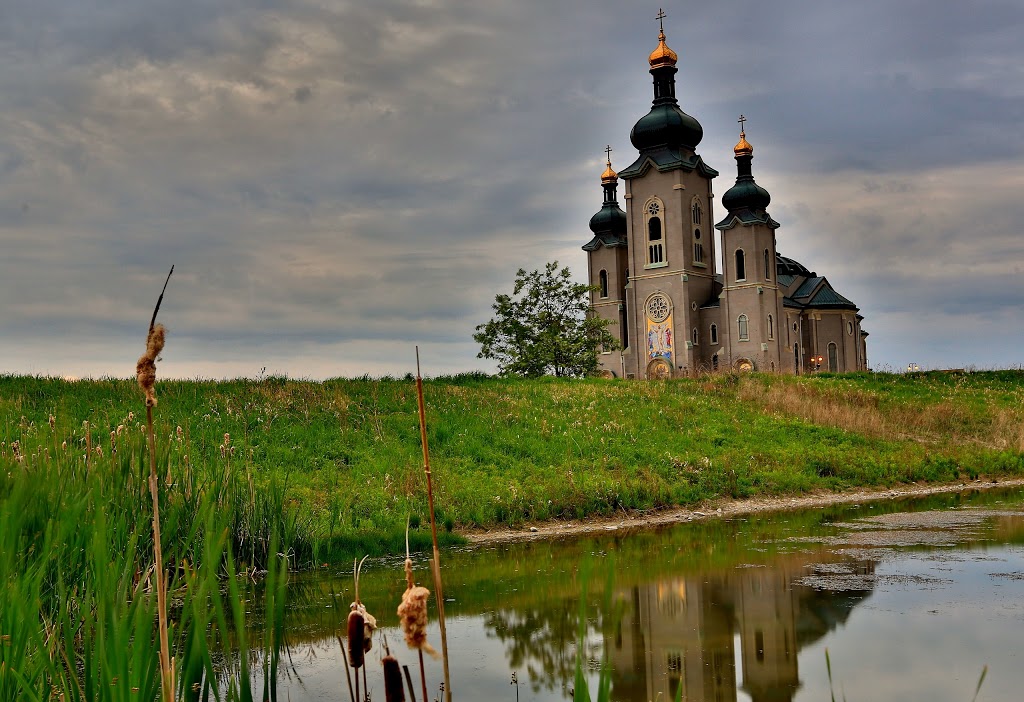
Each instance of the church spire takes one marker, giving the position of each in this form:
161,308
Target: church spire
662,56
665,126
746,194
610,219
609,179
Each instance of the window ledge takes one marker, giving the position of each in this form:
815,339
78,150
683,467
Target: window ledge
699,265
663,264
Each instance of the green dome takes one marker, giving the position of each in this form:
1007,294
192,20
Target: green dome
666,125
746,194
609,218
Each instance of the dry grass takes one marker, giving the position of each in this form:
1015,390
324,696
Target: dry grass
949,419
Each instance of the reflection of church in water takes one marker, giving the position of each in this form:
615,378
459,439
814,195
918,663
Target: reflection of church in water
683,632
653,266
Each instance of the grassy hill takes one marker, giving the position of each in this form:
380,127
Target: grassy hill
337,464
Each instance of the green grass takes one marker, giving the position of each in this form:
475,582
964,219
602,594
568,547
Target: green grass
336,466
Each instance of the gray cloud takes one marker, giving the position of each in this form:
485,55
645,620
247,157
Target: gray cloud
332,178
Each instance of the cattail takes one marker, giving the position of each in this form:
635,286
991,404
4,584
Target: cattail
393,689
53,421
356,633
361,624
145,369
413,613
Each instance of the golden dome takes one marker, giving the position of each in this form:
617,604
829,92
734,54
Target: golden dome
743,147
662,56
609,176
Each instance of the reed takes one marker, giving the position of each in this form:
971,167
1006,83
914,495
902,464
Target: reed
145,371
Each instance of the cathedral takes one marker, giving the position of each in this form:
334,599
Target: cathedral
654,266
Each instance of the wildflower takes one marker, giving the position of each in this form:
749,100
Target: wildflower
53,421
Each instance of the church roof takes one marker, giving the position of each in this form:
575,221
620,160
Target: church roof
747,217
787,266
816,292
827,297
606,239
807,288
666,158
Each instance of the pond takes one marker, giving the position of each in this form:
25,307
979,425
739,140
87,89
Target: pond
911,599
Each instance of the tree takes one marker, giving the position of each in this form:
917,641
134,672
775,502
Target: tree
545,327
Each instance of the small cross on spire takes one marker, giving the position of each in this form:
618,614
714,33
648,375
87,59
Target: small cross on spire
661,19
741,120
608,154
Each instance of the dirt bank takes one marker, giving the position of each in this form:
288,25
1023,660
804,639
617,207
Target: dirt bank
719,508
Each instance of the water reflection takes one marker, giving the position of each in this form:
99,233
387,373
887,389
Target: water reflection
721,609
688,631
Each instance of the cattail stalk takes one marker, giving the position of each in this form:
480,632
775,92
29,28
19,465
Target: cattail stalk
145,371
348,671
408,681
436,562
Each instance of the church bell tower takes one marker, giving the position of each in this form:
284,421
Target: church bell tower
671,253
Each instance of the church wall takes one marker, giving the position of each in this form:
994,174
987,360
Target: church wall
829,326
686,286
755,296
792,360
707,350
613,262
851,347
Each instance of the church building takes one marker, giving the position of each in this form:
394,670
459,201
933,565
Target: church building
654,265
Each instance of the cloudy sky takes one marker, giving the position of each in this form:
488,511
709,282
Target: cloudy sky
337,181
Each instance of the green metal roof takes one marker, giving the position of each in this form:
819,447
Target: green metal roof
747,218
664,159
606,239
827,297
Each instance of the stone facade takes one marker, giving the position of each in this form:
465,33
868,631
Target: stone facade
655,265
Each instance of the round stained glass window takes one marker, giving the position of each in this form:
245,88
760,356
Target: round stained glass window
658,308
653,209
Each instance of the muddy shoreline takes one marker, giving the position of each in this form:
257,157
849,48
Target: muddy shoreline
717,509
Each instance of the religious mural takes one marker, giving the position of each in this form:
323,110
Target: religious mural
660,341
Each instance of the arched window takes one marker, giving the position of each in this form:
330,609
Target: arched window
698,243
849,328
741,268
714,333
771,327
655,242
603,278
694,336
767,266
833,357
742,324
